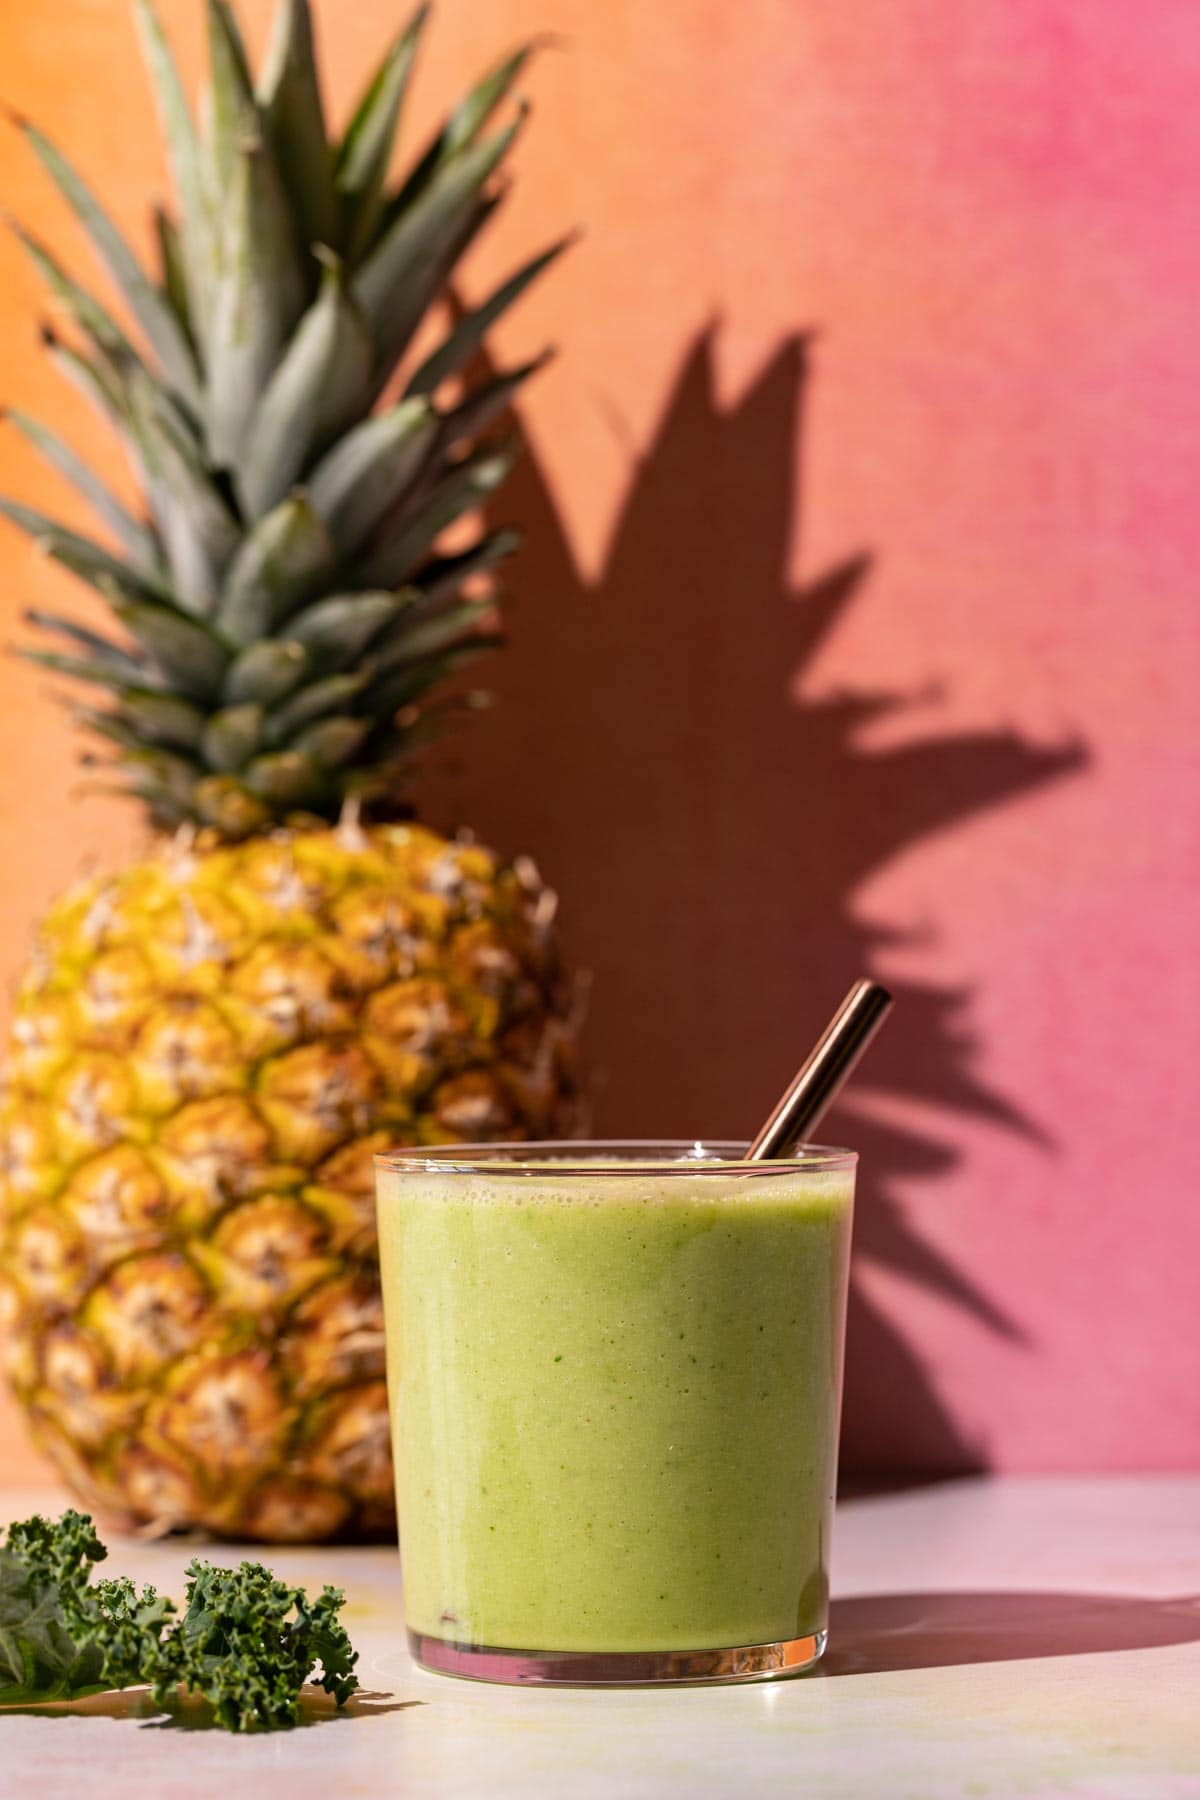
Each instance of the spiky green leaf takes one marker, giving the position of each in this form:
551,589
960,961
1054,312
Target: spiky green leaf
322,380
461,128
198,530
328,695
464,340
83,668
118,661
117,655
104,379
355,485
229,97
337,630
163,776
148,306
162,718
283,693
192,657
290,98
399,279
281,564
84,558
80,306
445,574
409,680
331,742
483,405
266,672
232,736
366,149
463,489
174,271
106,376
285,778
187,168
258,298
109,725
425,630
138,543
93,377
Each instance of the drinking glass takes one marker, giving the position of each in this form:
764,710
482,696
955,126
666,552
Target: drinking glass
614,1373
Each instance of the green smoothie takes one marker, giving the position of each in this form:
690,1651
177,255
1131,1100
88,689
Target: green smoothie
615,1396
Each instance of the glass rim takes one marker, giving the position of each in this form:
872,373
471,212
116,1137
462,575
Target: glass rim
576,1158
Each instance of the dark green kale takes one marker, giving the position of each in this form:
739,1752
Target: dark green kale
246,1642
61,1635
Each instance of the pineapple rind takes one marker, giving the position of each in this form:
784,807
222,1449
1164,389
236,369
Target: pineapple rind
187,1230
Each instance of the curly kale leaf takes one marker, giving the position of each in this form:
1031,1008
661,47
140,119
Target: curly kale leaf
39,1657
58,1552
247,1643
61,1636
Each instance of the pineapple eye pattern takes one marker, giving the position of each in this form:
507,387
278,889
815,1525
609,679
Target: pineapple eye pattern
203,1180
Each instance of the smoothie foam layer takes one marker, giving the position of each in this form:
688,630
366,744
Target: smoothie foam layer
598,1183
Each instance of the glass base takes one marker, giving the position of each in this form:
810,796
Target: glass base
618,1668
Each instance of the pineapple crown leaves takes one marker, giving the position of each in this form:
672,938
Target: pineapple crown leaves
287,603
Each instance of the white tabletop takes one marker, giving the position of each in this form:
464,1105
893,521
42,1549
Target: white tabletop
1013,1639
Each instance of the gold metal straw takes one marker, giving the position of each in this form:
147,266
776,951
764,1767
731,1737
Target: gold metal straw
819,1078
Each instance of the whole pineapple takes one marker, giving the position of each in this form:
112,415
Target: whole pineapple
209,1047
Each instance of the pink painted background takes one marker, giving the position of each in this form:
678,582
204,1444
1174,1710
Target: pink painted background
752,767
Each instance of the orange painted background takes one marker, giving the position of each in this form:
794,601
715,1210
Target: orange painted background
899,280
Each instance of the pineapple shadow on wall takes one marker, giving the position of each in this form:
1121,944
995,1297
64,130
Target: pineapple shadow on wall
709,824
